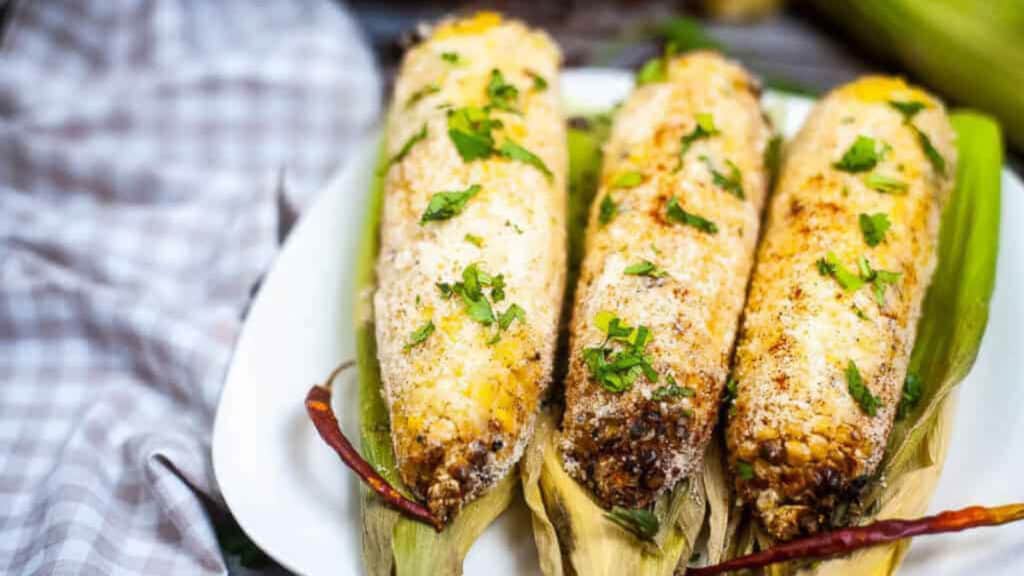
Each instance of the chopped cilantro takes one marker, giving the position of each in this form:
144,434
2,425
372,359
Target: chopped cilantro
655,70
911,395
874,227
608,210
744,470
830,266
639,521
476,302
628,179
937,161
451,57
404,150
733,183
675,213
445,205
861,156
470,130
860,313
514,312
885,184
705,128
879,279
474,240
672,390
501,94
617,369
513,151
907,109
868,403
539,83
421,94
420,335
645,268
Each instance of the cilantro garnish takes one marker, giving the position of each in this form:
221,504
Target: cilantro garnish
744,470
617,368
451,57
501,94
641,522
830,266
608,210
474,240
470,130
445,205
911,395
421,94
539,83
937,161
874,227
404,150
628,179
672,390
420,335
675,213
907,109
861,156
513,151
645,268
705,128
731,183
478,305
868,403
885,184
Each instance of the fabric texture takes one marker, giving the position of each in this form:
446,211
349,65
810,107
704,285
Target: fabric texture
144,145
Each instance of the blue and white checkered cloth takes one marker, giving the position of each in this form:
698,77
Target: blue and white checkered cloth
142,148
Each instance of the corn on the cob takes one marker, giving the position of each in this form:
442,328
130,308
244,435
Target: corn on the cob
472,260
832,312
669,251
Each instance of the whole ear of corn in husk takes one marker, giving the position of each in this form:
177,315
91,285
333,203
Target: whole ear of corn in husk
392,543
971,51
574,537
949,334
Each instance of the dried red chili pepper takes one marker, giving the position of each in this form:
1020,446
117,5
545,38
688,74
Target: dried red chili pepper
849,539
318,406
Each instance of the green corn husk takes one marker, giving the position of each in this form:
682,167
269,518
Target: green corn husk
971,51
699,519
392,543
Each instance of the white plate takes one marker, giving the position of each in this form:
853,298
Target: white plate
297,501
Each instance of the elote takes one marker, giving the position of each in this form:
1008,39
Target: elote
669,250
848,253
471,269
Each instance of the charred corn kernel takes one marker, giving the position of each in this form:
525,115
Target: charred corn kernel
875,148
463,401
674,257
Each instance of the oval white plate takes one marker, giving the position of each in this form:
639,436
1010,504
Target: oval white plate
299,503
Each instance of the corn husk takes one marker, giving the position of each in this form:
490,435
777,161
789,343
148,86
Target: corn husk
972,51
392,543
699,519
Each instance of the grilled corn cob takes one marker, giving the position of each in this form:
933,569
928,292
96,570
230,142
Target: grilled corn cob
471,269
832,312
669,250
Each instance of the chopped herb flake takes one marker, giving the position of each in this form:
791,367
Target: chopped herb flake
744,470
501,94
513,151
907,109
911,395
861,156
420,335
404,150
675,213
830,266
451,57
445,205
474,240
514,312
628,179
655,70
421,94
608,210
705,128
641,522
672,390
733,183
539,83
868,403
617,369
874,227
885,184
470,130
937,161
645,268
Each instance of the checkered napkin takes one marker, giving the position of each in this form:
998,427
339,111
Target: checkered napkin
143,145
